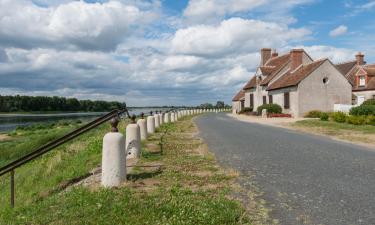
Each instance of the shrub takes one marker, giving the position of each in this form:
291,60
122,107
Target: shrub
356,120
339,117
369,102
313,114
370,120
248,109
324,116
363,110
271,108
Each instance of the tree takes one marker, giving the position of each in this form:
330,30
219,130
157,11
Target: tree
220,104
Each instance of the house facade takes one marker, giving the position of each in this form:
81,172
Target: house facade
361,76
238,102
297,83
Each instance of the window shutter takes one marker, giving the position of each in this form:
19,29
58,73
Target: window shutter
264,100
270,99
251,100
286,100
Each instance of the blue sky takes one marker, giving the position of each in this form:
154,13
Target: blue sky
165,52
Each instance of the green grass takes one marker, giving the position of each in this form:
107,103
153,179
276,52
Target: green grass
334,126
189,188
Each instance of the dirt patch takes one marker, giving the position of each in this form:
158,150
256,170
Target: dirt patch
4,137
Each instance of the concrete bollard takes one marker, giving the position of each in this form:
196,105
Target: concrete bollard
151,124
142,127
161,118
176,116
113,158
157,122
172,117
133,140
264,113
166,118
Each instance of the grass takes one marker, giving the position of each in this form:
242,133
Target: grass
355,133
180,185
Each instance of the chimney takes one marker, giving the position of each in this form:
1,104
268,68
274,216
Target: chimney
295,58
274,53
360,59
265,55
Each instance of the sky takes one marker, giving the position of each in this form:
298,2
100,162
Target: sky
167,52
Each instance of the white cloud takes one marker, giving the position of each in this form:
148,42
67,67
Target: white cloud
234,35
334,54
209,11
340,30
74,24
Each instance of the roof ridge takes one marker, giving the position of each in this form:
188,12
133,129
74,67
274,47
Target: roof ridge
345,62
306,64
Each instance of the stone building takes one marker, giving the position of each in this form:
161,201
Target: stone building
297,83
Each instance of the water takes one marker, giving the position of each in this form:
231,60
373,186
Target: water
9,122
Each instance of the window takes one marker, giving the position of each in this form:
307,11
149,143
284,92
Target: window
286,100
264,100
270,99
251,100
325,80
362,80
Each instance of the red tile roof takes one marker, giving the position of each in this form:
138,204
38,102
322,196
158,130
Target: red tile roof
293,78
238,96
344,68
251,84
278,63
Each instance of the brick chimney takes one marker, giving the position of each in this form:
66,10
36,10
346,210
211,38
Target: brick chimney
295,58
274,53
265,55
360,58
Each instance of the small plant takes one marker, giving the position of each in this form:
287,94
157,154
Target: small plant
313,114
363,110
339,117
369,102
356,120
370,120
324,116
271,108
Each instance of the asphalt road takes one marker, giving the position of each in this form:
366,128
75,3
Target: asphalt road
306,179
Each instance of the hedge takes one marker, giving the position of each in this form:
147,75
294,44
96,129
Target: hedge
271,108
313,114
363,110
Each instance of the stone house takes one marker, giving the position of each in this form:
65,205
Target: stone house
238,101
297,83
361,76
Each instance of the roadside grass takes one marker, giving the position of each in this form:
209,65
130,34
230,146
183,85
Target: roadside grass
180,185
356,133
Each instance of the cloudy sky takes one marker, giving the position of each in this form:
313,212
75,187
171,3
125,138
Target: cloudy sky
166,52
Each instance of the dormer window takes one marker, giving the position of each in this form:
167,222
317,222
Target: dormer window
362,80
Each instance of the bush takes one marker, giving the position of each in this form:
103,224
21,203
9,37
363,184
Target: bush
339,117
271,108
363,110
369,102
324,116
356,120
370,120
313,114
246,110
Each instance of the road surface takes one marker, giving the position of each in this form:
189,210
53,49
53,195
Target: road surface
306,179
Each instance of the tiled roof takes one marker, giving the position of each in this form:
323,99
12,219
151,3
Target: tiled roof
344,68
267,70
278,63
370,70
239,95
251,84
293,78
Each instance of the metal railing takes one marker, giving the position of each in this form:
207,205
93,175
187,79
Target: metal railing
10,168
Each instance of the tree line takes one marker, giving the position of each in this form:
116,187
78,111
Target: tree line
43,103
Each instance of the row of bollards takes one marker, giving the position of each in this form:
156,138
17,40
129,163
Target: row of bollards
117,148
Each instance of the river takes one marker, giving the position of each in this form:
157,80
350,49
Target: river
9,122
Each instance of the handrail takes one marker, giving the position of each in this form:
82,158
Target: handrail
55,143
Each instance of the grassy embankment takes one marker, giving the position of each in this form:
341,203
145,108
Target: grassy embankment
364,134
180,185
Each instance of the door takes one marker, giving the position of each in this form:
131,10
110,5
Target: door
360,99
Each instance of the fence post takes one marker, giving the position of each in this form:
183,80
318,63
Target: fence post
151,124
142,127
166,118
172,117
113,158
156,118
133,144
161,118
